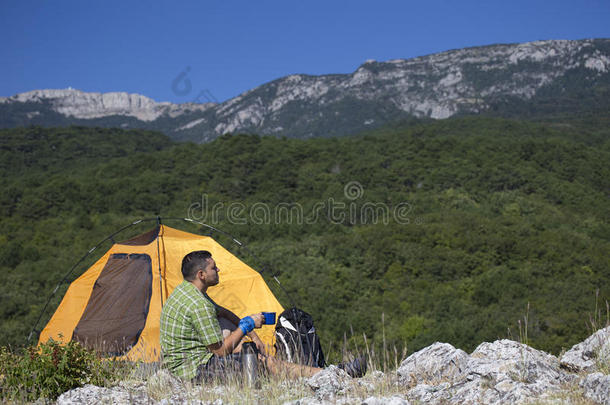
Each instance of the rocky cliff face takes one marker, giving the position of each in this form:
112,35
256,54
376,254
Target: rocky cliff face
471,81
78,104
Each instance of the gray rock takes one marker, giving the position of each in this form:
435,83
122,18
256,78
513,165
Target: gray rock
329,382
318,401
584,355
495,373
91,394
517,361
304,401
509,372
433,364
393,400
596,387
345,401
430,394
178,400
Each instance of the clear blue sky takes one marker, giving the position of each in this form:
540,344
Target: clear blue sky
230,47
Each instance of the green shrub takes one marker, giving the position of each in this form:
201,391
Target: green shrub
49,370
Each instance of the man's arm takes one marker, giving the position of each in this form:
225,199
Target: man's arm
230,342
227,346
231,317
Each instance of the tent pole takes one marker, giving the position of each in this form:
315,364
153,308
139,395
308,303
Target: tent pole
160,235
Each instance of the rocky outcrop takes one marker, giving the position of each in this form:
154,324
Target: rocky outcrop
329,382
596,387
78,104
393,400
433,365
501,372
91,394
495,373
585,356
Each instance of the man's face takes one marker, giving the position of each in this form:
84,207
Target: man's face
210,272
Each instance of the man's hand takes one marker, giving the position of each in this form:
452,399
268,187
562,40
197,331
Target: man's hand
259,319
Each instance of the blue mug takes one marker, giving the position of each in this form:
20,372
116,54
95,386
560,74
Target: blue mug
269,318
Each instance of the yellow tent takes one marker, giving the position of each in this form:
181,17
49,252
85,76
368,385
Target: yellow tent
116,304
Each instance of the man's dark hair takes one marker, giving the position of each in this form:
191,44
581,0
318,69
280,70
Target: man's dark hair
192,262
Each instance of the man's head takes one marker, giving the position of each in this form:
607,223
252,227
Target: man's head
199,265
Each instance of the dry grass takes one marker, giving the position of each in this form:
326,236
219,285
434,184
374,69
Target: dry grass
570,393
276,389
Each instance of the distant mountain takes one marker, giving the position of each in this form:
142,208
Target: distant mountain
532,79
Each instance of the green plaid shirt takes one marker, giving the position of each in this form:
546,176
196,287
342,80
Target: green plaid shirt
188,325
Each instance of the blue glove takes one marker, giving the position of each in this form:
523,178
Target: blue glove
246,324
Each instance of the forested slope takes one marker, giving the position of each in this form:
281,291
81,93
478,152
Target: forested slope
446,230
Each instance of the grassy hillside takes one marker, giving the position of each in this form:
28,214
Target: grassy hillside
437,231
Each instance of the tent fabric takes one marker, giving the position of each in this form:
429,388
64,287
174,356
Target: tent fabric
143,239
116,304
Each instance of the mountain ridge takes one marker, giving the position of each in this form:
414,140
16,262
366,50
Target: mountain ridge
104,104
477,80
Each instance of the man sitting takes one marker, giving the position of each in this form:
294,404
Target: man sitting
192,343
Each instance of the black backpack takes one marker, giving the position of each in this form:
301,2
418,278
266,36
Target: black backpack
296,339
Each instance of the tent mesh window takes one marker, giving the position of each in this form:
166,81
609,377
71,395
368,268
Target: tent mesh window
118,306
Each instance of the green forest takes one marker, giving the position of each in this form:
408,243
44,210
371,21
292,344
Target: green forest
456,230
